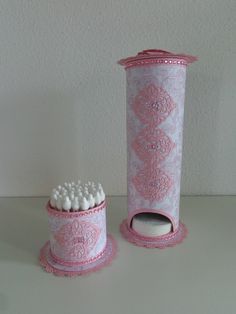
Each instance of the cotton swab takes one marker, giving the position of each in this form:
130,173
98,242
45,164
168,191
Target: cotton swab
73,196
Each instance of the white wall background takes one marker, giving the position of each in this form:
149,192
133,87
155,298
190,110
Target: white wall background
62,96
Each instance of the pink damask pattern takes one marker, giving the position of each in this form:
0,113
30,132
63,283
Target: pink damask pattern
153,105
152,143
77,238
152,183
155,109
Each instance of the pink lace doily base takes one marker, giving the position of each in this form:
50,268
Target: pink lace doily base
161,242
51,266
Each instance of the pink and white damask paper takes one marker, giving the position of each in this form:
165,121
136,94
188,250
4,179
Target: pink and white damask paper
77,238
155,110
78,242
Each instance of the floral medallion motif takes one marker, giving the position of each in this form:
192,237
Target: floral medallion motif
152,144
152,183
77,238
153,104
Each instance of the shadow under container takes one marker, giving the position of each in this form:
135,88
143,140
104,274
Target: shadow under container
78,242
155,109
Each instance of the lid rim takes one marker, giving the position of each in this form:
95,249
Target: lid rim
155,54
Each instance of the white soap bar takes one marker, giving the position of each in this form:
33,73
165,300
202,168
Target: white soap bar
151,225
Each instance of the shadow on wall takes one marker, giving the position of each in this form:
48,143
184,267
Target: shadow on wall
201,134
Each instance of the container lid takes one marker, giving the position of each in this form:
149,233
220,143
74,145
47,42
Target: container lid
151,56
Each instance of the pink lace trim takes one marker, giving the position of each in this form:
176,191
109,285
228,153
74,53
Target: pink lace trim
167,240
51,266
57,213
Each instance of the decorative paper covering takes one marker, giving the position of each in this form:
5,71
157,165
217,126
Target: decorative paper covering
155,110
78,241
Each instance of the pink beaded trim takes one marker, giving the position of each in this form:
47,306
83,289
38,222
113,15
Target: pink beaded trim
151,56
57,213
158,61
66,263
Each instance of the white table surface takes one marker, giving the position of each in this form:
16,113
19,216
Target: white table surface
197,276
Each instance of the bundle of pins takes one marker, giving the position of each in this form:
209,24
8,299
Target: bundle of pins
73,197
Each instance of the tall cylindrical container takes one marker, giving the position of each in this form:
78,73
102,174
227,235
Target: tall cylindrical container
155,110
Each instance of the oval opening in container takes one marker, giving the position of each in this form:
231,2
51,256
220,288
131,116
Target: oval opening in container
151,224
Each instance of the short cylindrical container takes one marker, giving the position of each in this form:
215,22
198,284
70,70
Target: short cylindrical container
155,110
78,241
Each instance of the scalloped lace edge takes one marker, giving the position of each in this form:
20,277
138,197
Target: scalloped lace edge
50,269
160,243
